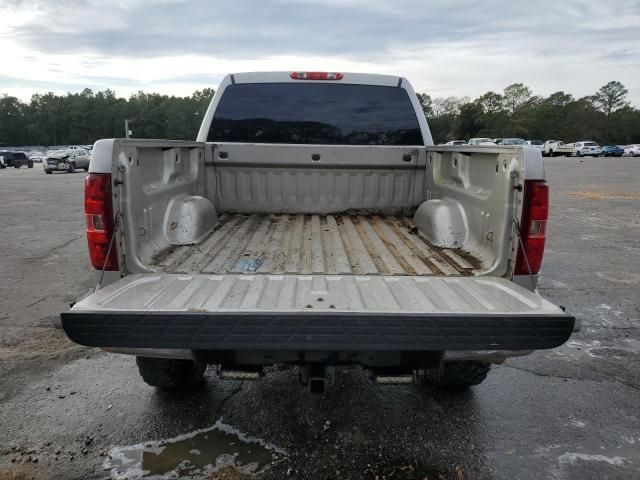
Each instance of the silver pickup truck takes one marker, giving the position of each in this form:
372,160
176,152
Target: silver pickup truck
314,223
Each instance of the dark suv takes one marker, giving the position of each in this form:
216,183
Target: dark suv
15,159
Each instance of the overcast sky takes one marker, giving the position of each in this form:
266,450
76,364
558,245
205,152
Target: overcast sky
444,48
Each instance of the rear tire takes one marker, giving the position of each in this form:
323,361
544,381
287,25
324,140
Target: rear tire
48,172
171,372
578,153
457,375
72,168
30,165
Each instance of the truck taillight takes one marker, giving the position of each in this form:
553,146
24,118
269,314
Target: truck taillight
317,76
98,214
535,213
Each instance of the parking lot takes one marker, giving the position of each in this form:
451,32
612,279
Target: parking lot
571,413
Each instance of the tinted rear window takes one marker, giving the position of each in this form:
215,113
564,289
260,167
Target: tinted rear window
315,113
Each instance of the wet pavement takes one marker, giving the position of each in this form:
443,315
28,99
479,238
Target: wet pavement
570,413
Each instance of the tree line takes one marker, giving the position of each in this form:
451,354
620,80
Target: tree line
81,118
606,116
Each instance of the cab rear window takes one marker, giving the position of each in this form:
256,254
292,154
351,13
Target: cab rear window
315,113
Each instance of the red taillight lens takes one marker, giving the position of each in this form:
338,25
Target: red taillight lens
98,215
535,213
317,75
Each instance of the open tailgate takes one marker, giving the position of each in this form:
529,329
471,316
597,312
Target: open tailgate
316,312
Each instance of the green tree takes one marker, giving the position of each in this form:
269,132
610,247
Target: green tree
491,102
12,120
494,116
469,121
611,97
516,95
426,103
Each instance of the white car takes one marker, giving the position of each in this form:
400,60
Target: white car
512,141
555,148
36,156
632,150
456,142
481,141
586,148
536,144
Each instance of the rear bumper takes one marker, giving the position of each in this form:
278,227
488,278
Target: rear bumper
313,331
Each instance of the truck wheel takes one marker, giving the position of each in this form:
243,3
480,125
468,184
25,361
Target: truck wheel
72,168
48,172
171,372
30,165
578,153
457,375
17,165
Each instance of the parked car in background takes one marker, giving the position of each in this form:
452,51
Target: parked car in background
512,141
36,156
481,141
556,148
16,159
587,148
632,150
612,151
67,161
535,143
456,142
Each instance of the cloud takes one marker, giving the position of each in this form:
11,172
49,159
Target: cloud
461,49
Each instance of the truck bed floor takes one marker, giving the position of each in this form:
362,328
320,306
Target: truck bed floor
315,244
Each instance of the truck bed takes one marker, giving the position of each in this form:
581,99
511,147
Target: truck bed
315,244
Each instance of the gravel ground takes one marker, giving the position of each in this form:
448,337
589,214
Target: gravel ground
569,413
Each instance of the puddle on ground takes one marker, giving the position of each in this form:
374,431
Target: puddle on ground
193,455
